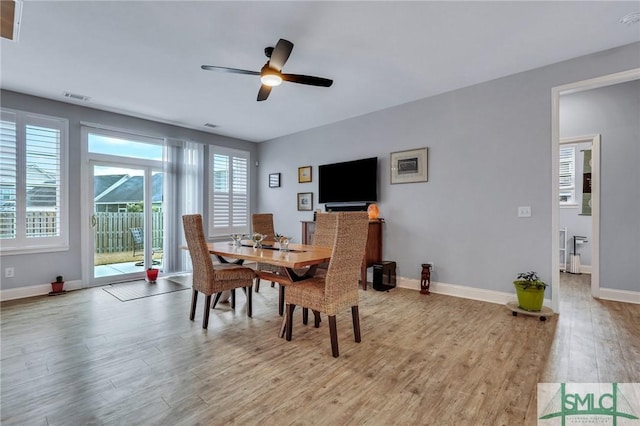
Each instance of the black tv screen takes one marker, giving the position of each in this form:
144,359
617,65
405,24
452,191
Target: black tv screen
350,181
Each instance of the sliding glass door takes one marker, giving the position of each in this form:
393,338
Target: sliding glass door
126,206
127,221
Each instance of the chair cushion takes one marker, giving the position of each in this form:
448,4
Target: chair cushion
231,271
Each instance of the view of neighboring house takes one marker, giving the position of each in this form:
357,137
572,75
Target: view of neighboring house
112,193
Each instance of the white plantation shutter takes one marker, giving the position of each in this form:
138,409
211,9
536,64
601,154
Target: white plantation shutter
567,174
229,198
8,175
33,209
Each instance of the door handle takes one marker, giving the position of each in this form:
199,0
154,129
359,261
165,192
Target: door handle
94,221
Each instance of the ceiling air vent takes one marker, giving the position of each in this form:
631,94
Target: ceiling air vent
76,97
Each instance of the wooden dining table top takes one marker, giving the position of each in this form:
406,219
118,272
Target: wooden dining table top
298,256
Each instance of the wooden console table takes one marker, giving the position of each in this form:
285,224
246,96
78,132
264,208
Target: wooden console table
373,252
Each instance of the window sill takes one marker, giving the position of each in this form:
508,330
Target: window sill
569,206
32,250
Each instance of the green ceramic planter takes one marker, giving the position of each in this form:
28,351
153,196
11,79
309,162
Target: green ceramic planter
529,299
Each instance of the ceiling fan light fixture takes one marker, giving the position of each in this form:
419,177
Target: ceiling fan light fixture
271,79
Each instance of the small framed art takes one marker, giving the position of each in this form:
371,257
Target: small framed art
304,174
305,201
409,166
274,180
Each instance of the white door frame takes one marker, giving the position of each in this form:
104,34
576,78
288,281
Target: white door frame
556,92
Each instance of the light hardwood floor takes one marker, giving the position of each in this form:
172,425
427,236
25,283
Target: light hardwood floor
86,358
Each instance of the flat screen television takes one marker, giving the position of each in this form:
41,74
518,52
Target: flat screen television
350,181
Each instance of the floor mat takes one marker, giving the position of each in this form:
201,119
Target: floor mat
140,289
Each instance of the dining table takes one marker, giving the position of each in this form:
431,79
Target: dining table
299,262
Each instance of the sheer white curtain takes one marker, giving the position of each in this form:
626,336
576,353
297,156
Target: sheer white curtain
183,193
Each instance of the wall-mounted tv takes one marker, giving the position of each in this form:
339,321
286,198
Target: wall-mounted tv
350,181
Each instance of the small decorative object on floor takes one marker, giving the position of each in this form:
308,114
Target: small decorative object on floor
152,275
425,281
57,285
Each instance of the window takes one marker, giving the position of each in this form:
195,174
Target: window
229,196
33,167
568,175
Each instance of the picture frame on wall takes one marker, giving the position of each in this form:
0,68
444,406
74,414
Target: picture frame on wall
305,201
409,166
304,174
274,180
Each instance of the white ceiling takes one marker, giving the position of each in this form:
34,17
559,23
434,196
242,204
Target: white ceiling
143,58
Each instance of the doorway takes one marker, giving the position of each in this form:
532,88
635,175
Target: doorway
127,240
124,201
557,92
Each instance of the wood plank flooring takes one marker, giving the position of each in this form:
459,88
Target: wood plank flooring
85,358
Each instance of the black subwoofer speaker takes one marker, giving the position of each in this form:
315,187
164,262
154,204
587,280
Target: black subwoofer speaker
384,275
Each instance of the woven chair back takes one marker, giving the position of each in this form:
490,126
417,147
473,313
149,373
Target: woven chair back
200,258
262,223
343,274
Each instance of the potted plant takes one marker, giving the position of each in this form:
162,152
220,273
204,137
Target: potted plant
530,291
152,274
57,285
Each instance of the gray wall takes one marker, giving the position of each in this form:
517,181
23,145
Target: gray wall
67,263
614,112
489,152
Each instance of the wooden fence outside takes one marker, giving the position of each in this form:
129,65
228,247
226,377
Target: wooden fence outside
112,233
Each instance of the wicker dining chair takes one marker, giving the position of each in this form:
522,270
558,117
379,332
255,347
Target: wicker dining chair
338,289
209,279
324,235
262,223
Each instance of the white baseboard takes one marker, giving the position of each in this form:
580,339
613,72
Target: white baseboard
625,296
36,290
455,290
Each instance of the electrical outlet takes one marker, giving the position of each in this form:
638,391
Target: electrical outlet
9,272
524,211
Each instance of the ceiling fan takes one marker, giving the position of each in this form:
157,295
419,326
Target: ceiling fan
270,74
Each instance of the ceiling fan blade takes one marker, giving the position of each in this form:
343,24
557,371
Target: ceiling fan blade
307,79
231,70
263,93
280,54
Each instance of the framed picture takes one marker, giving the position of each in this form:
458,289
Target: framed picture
304,174
409,166
274,180
305,201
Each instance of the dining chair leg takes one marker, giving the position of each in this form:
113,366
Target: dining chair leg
233,298
281,299
215,300
205,316
194,299
289,330
316,319
305,315
356,323
249,301
333,332
257,284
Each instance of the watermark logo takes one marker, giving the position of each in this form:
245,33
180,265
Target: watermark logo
616,404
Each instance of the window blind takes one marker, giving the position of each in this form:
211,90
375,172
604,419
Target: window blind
567,174
33,211
229,198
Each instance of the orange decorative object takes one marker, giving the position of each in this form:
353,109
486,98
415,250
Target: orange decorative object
373,211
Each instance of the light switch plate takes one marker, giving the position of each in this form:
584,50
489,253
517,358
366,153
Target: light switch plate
524,211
